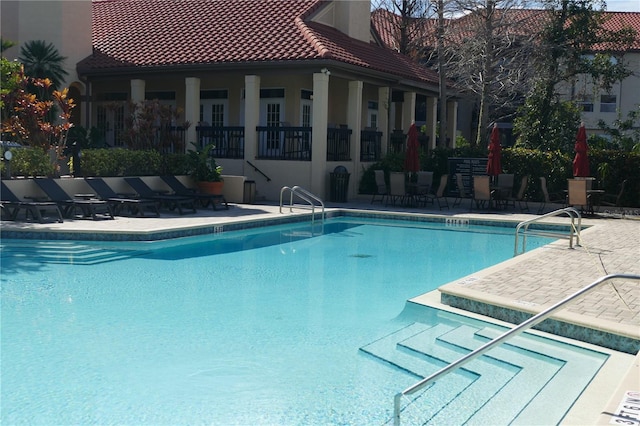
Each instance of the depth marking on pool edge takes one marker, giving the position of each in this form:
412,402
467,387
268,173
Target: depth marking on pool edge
218,229
457,222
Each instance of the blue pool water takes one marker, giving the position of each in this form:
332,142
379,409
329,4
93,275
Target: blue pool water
245,327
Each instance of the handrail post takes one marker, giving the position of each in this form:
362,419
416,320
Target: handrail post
397,399
524,225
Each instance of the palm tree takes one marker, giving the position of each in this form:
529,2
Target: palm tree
42,60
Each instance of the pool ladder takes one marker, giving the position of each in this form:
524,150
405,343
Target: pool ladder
304,195
574,231
500,339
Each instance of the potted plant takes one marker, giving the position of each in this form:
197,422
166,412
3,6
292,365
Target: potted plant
204,170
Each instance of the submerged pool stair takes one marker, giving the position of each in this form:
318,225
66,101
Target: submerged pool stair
521,382
60,252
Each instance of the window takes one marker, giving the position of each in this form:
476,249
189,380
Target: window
213,107
372,114
585,102
608,103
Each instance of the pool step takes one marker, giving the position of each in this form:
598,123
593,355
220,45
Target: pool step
520,382
61,252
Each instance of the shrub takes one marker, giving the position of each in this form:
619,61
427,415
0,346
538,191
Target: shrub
610,167
119,162
30,162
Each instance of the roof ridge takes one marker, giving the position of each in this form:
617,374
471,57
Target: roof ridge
310,36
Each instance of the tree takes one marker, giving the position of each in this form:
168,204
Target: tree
42,60
412,33
151,125
572,31
25,116
488,56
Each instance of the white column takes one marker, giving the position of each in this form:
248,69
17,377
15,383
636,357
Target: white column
452,122
384,104
318,172
432,120
192,109
354,121
408,110
137,90
251,115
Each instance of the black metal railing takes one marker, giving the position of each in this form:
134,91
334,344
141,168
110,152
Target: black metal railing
284,143
228,141
370,145
338,144
397,142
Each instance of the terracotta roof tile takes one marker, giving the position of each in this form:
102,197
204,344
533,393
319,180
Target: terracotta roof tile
523,21
161,33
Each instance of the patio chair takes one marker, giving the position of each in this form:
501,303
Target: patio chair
135,206
439,195
170,201
90,207
397,188
423,187
578,196
179,188
381,187
520,196
613,200
482,192
11,205
549,198
462,192
504,185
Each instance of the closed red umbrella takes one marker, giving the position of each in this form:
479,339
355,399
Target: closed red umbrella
494,168
581,160
412,156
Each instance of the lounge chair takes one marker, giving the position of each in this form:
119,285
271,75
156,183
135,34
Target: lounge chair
90,207
171,201
381,187
135,206
179,188
12,205
547,198
482,192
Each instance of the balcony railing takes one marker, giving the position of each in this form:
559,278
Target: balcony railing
338,144
228,141
284,143
289,143
370,145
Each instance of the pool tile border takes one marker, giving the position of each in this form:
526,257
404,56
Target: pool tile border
199,230
560,328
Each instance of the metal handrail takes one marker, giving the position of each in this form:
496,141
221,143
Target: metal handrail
574,230
306,196
503,337
258,170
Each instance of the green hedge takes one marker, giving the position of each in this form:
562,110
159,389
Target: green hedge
29,162
609,167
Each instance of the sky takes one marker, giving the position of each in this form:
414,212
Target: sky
623,5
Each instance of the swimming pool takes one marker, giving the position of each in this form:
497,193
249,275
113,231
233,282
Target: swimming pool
264,326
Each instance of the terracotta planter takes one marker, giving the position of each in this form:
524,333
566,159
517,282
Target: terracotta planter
214,188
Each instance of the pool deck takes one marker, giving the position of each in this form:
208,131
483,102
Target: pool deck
527,283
